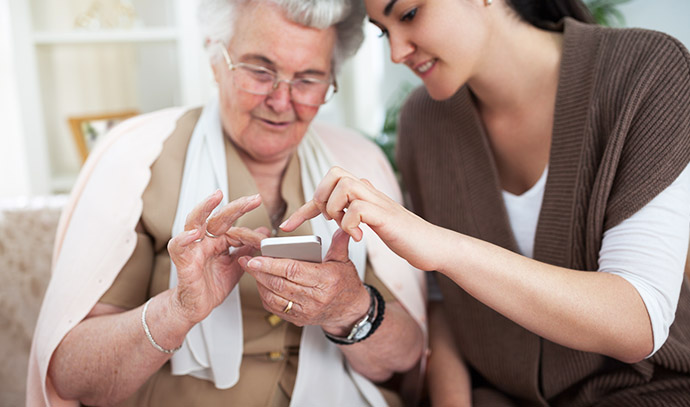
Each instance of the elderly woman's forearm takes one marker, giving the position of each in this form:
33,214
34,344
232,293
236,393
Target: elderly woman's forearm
395,347
107,356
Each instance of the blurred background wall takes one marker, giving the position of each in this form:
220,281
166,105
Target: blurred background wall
79,58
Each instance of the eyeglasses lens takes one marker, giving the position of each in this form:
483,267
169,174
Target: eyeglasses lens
260,81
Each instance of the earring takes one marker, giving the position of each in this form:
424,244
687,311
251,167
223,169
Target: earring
488,2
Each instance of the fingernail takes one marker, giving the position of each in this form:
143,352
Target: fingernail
191,236
254,263
282,225
243,261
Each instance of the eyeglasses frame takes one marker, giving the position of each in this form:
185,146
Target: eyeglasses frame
277,81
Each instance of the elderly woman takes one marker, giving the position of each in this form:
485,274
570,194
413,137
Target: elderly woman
135,317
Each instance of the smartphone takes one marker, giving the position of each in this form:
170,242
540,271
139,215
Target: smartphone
305,248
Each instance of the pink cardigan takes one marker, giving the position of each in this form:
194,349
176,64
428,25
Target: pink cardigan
81,275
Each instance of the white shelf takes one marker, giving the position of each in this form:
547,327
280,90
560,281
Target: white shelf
145,35
64,71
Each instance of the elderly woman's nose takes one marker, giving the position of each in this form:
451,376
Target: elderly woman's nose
279,99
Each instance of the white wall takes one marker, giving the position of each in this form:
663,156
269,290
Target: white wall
23,157
669,16
13,170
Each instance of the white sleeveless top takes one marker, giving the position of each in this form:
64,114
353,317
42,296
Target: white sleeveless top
648,249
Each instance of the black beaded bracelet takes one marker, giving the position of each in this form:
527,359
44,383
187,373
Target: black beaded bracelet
380,311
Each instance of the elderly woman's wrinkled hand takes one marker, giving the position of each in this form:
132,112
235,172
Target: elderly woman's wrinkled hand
207,268
329,294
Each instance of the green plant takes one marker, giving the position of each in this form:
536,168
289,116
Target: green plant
606,12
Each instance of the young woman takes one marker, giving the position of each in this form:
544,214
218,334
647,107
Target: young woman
546,159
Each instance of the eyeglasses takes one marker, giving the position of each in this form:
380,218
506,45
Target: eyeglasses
258,80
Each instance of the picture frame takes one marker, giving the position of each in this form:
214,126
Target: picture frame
88,130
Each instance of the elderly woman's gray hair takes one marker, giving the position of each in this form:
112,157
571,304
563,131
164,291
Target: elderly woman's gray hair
217,20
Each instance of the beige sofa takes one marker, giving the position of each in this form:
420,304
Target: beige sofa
27,233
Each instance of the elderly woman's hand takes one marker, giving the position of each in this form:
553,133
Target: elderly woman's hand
329,294
207,269
350,201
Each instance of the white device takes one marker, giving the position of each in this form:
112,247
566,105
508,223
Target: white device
305,248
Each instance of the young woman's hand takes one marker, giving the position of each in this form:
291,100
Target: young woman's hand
351,201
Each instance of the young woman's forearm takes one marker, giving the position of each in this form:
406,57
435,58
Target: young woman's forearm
589,311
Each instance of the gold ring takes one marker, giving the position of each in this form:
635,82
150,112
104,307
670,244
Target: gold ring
288,307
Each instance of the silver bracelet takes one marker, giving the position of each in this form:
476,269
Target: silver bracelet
148,332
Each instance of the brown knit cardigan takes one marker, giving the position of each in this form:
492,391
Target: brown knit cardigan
621,135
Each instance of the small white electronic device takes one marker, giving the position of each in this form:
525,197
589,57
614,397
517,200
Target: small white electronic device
305,248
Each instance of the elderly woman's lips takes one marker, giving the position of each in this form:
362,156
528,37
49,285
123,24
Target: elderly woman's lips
273,123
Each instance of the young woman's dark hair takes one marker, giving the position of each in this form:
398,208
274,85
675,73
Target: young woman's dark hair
547,13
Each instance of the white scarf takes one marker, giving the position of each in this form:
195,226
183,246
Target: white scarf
213,348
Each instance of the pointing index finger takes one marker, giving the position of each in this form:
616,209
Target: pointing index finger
305,212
